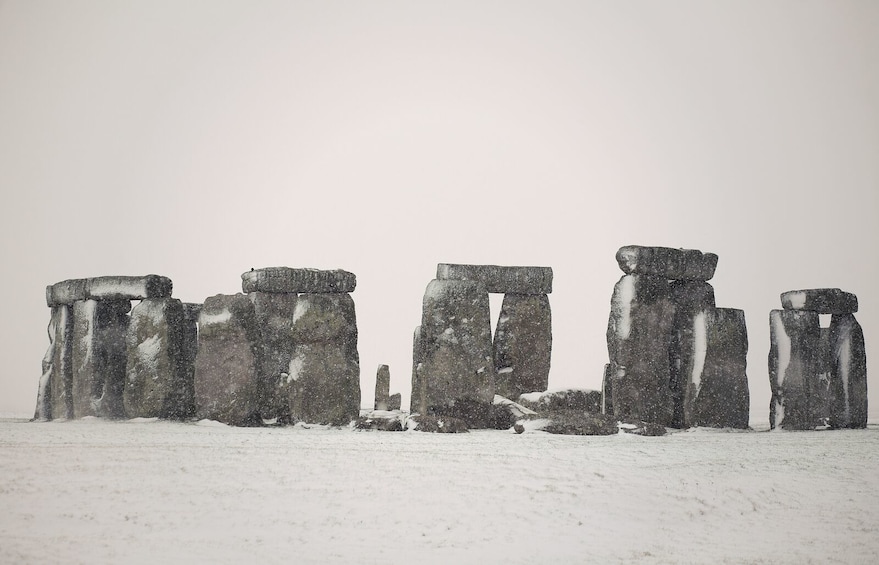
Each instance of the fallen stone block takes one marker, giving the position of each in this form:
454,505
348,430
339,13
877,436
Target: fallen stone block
578,422
504,280
848,375
793,369
523,344
381,420
440,425
288,280
820,300
666,262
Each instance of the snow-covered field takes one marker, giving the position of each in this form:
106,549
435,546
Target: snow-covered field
94,491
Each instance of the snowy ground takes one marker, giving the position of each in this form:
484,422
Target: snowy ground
94,492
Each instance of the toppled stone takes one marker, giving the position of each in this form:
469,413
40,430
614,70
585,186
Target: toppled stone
394,401
717,392
156,385
108,288
288,280
820,300
523,344
505,280
324,372
794,340
673,264
440,425
381,420
227,384
564,399
382,387
644,429
639,336
456,376
99,357
848,375
578,422
274,316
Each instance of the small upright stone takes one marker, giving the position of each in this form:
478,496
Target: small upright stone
382,387
504,280
523,344
418,394
288,280
793,368
821,300
848,375
666,262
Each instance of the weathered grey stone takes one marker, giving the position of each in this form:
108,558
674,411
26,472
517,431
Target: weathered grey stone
382,421
191,312
581,399
227,385
821,300
382,387
793,370
418,394
288,280
692,299
440,424
820,398
457,374
274,316
156,385
65,292
99,357
523,344
717,393
610,369
578,422
394,401
108,288
505,280
324,372
639,335
60,387
848,376
56,358
674,264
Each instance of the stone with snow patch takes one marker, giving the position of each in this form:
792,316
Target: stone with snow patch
505,280
156,373
456,376
324,371
382,387
639,335
666,262
793,368
381,420
109,288
99,357
821,300
55,395
848,374
692,299
274,313
523,344
227,365
65,292
579,422
440,424
289,280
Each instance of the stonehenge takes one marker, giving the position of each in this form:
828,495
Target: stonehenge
457,366
818,375
676,360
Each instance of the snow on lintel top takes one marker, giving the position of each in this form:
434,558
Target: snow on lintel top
820,300
288,280
108,288
673,264
512,280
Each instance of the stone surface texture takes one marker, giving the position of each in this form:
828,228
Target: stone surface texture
513,280
382,387
289,280
793,368
848,374
692,300
523,344
821,300
673,264
274,316
108,288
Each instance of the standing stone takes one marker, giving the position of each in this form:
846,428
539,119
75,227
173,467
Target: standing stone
793,371
457,374
717,393
607,388
394,401
274,316
820,300
848,377
382,388
57,354
820,401
324,372
227,386
417,395
523,345
191,312
60,386
99,357
512,280
666,262
692,300
287,280
156,384
639,336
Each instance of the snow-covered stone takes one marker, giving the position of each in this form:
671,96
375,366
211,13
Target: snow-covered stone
382,387
793,369
440,424
456,376
227,384
289,280
505,280
99,357
639,335
578,422
687,352
54,396
324,372
848,375
564,399
108,288
821,300
155,385
523,344
666,262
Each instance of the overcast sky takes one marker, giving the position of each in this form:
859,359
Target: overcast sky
199,139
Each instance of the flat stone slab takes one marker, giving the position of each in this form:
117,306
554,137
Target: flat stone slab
289,280
821,300
512,280
673,264
108,288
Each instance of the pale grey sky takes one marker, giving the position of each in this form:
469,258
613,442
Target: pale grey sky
199,139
